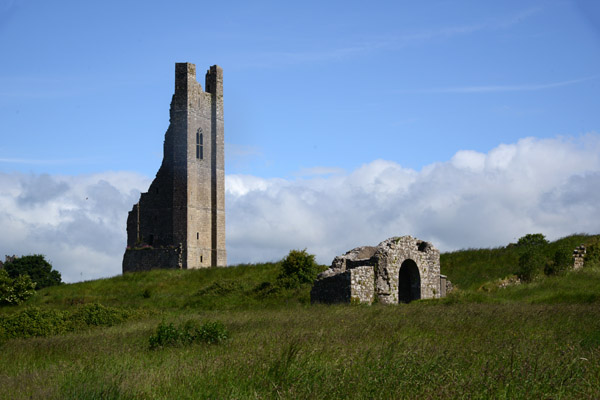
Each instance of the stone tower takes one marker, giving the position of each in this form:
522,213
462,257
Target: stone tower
180,221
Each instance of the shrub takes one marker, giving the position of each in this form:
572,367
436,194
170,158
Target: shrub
560,263
166,335
15,291
592,254
39,270
297,268
95,314
530,264
211,332
34,321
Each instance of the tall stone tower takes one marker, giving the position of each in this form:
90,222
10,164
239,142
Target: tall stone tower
180,221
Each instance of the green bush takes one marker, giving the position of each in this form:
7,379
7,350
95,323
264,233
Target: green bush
166,335
560,263
592,253
530,265
211,332
34,321
298,268
15,291
95,314
39,270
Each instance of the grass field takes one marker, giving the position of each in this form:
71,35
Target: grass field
536,340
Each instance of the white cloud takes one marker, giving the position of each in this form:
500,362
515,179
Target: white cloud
473,200
77,222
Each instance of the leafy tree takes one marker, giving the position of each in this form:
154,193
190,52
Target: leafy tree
297,268
39,270
15,291
532,240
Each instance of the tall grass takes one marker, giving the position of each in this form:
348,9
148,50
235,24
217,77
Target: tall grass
421,350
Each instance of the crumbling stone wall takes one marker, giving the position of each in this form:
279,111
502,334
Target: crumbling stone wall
399,269
578,257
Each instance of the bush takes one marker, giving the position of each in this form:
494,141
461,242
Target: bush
298,268
39,270
560,263
530,264
166,335
592,254
15,291
212,332
95,314
35,321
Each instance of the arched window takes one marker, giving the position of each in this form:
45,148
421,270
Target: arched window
199,144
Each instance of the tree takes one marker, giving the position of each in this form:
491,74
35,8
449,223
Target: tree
532,240
15,291
39,270
297,268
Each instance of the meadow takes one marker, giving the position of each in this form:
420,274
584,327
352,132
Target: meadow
533,340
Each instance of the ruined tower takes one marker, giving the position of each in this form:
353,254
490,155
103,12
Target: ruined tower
180,221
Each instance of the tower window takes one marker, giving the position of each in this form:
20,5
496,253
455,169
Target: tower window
197,235
199,144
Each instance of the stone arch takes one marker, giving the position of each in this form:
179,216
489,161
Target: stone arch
409,282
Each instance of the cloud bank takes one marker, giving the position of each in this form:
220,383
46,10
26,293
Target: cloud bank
472,200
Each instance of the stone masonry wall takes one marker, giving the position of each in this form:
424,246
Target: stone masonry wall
150,258
362,284
332,289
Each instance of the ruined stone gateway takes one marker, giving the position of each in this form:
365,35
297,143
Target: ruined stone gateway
398,270
180,221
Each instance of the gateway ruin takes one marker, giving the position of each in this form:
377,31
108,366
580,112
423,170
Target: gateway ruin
398,270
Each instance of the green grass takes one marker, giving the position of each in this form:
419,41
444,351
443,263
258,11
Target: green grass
415,351
536,340
469,269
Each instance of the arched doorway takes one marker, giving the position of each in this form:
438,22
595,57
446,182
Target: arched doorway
409,282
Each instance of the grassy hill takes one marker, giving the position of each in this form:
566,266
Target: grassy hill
531,340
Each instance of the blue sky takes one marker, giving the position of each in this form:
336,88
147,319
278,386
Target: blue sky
317,94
